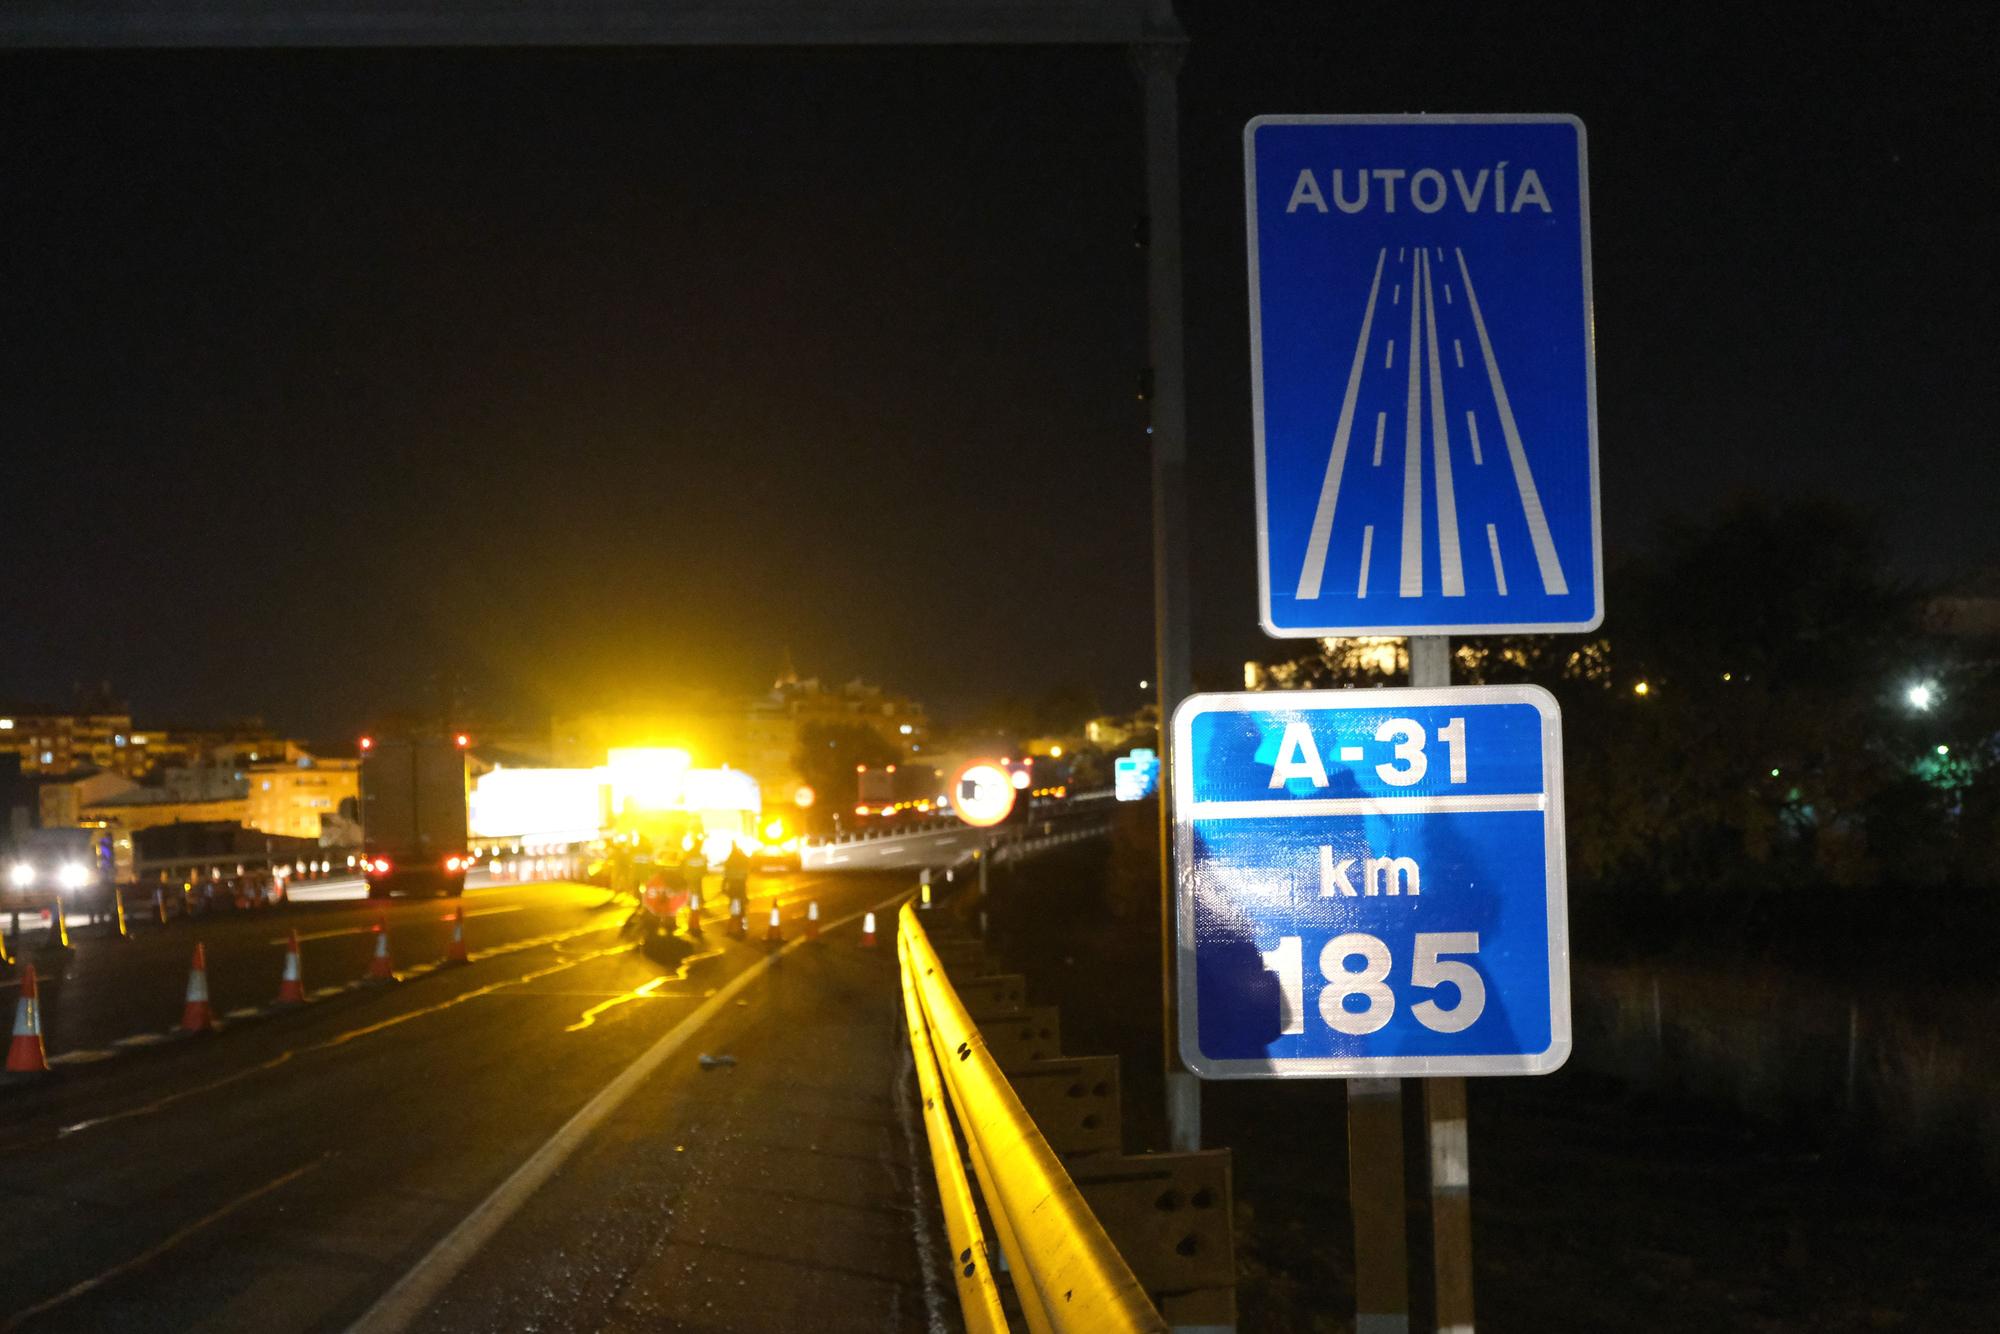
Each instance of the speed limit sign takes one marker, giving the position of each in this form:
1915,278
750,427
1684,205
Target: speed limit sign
982,792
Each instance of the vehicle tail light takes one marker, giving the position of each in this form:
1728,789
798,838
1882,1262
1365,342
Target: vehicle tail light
380,866
453,863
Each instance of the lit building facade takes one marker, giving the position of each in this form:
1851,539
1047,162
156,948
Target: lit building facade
295,797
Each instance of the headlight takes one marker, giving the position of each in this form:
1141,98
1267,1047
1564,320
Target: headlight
21,874
73,875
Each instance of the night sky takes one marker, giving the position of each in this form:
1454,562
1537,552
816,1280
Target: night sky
575,374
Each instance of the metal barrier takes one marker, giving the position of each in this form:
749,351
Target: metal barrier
1066,1272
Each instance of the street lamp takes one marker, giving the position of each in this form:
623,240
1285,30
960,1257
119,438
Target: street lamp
1921,696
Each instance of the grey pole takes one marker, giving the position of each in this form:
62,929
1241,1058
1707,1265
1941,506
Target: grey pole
1159,64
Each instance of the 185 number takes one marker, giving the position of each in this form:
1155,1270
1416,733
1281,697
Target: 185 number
1430,969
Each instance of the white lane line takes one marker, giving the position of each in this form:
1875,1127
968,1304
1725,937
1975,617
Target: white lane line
1389,355
1396,295
1440,254
88,1056
1472,429
1451,566
1367,547
1447,289
1399,253
1336,463
1499,570
1412,583
151,1254
1458,353
143,1040
1381,423
1524,481
404,1305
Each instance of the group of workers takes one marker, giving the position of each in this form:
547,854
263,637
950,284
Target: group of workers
672,879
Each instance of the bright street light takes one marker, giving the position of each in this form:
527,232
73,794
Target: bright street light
1921,696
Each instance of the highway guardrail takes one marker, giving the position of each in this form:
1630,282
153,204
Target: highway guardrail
1093,1239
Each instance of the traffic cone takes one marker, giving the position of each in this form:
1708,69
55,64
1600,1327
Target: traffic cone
694,915
197,1015
739,924
812,920
868,931
775,933
24,1054
292,986
380,969
454,950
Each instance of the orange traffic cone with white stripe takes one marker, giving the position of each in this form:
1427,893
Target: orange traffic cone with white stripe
739,920
775,933
812,920
197,1015
868,931
454,950
292,986
25,1055
694,915
380,969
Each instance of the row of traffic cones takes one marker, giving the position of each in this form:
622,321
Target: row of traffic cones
27,1056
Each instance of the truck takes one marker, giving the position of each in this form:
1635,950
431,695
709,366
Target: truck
413,814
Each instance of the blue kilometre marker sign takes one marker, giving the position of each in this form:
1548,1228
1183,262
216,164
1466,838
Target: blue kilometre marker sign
1370,883
1423,374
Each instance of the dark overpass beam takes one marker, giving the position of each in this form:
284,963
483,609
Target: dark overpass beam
427,23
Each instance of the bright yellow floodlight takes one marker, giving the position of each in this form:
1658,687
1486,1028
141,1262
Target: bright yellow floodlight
647,778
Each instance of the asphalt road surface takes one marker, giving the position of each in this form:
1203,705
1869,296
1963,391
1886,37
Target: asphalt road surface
530,1141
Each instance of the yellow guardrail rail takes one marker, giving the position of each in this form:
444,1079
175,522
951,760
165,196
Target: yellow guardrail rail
1067,1274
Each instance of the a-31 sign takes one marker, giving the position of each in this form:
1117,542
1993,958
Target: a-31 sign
1371,883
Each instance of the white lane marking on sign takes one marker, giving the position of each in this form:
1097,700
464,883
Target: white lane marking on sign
1531,503
1458,352
1451,567
1381,423
1412,584
1329,491
1499,570
1472,429
1367,546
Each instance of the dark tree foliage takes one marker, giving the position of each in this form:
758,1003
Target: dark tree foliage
1742,722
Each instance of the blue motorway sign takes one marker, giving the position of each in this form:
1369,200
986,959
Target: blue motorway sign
1371,883
1423,374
